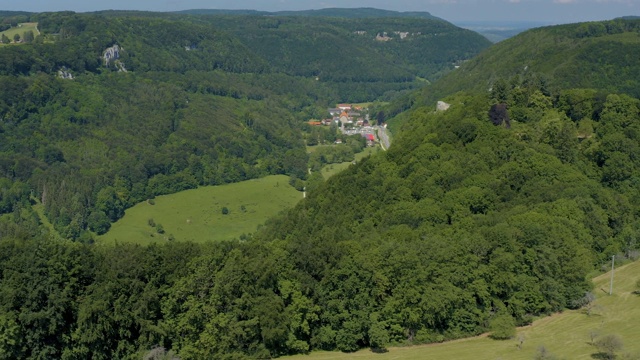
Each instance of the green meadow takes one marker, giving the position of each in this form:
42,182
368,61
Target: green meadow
567,335
21,29
332,169
197,214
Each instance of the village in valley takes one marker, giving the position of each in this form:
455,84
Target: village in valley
350,120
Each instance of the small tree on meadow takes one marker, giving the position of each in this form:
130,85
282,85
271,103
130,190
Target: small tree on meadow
16,38
28,36
5,39
587,302
544,354
609,345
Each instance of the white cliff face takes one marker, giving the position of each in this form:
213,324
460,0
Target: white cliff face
442,106
64,73
111,54
120,66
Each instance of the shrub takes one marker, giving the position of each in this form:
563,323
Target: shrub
544,354
608,345
503,327
225,210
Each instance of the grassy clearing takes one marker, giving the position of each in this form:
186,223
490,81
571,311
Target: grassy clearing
21,29
39,209
196,215
566,335
332,169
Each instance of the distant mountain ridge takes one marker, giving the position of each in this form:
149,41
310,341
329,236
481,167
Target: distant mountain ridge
497,31
599,55
365,12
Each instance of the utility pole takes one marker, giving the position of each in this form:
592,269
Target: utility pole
613,261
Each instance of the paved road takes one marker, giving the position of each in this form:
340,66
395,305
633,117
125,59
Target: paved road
384,138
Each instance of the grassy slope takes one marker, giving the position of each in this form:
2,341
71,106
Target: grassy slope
21,29
39,209
196,215
566,335
332,169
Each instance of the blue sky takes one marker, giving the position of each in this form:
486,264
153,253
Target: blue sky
552,11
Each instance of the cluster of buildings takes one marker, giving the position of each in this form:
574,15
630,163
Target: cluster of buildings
351,120
348,116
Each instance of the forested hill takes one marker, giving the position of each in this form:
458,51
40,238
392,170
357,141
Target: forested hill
183,105
598,55
470,222
360,50
465,226
362,58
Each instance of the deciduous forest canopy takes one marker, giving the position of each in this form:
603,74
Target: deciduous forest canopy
461,223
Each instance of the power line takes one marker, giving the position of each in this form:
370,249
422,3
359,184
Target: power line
613,261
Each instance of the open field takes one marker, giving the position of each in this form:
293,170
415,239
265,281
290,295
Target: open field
566,335
21,30
332,169
196,215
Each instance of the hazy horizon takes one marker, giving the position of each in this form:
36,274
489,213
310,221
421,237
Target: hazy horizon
548,11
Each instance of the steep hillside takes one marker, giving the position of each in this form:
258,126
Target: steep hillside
572,334
462,221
